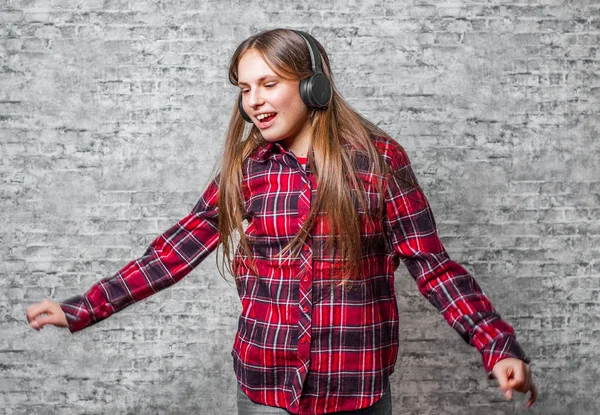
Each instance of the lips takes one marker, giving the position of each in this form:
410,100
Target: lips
267,121
269,117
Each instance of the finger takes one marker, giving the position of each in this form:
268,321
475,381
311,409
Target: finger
36,309
518,381
508,392
533,396
41,321
503,382
37,323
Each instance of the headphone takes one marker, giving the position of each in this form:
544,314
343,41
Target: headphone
315,91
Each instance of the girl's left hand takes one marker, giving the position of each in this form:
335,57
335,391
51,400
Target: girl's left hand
514,374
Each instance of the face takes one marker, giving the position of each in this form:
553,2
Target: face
273,103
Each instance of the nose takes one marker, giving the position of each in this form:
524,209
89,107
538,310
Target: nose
255,98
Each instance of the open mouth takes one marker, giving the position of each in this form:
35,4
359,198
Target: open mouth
265,120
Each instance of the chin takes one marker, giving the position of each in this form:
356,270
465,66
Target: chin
272,138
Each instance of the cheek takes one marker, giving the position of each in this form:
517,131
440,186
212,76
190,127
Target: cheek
288,98
297,111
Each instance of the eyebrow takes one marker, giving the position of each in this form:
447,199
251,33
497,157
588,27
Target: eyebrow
260,80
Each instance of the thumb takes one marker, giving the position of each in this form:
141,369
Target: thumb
503,381
41,321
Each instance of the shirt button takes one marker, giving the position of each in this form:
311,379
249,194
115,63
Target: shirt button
305,309
305,279
302,369
304,340
303,217
306,247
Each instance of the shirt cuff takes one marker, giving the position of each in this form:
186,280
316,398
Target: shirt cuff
76,312
504,346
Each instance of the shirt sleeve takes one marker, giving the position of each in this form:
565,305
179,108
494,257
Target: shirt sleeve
447,285
169,258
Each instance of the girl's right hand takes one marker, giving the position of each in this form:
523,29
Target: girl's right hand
46,312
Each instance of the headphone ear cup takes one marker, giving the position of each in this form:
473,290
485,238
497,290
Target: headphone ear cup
315,91
245,116
305,92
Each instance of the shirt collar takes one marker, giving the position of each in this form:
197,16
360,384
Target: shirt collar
267,150
264,151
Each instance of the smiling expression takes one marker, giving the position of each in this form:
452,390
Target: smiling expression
272,102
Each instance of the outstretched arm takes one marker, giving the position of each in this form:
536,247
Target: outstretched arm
169,258
412,233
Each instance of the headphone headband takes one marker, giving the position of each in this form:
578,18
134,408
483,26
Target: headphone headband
313,50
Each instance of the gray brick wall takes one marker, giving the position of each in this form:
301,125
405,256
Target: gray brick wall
112,116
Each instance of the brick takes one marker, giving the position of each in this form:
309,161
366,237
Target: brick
495,104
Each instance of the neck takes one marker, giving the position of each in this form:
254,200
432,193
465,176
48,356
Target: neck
300,146
300,143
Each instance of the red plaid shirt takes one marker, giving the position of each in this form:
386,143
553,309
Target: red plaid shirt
302,343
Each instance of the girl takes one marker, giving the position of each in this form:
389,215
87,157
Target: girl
332,206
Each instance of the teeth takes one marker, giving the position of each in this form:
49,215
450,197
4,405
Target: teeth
263,116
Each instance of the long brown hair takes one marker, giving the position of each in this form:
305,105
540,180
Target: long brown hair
334,129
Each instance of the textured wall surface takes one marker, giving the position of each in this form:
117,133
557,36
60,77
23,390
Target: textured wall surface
112,117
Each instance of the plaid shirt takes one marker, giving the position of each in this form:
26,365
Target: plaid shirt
302,343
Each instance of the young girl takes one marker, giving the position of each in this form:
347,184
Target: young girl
332,206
